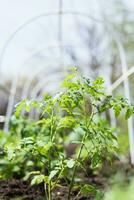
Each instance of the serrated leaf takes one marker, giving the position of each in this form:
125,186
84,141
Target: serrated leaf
117,110
99,81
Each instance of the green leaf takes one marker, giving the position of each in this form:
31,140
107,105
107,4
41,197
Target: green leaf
27,106
69,81
43,150
99,81
19,107
38,179
117,110
10,153
31,173
67,121
52,174
95,161
129,112
70,163
27,141
47,97
86,189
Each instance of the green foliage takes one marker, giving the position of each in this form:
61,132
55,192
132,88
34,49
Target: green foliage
77,110
120,191
123,143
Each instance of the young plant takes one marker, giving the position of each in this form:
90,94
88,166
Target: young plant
79,109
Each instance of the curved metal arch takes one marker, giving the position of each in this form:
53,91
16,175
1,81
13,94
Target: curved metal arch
28,83
43,81
20,28
49,47
121,79
123,60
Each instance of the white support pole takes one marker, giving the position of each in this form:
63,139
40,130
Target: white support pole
127,95
10,103
121,79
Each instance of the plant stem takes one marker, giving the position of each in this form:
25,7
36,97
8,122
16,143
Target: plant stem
49,191
81,147
57,179
45,191
49,184
75,166
51,134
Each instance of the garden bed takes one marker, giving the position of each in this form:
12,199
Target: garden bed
18,189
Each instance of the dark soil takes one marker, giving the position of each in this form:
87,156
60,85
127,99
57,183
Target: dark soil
16,189
10,189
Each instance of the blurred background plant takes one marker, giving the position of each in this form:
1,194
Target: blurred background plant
120,189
